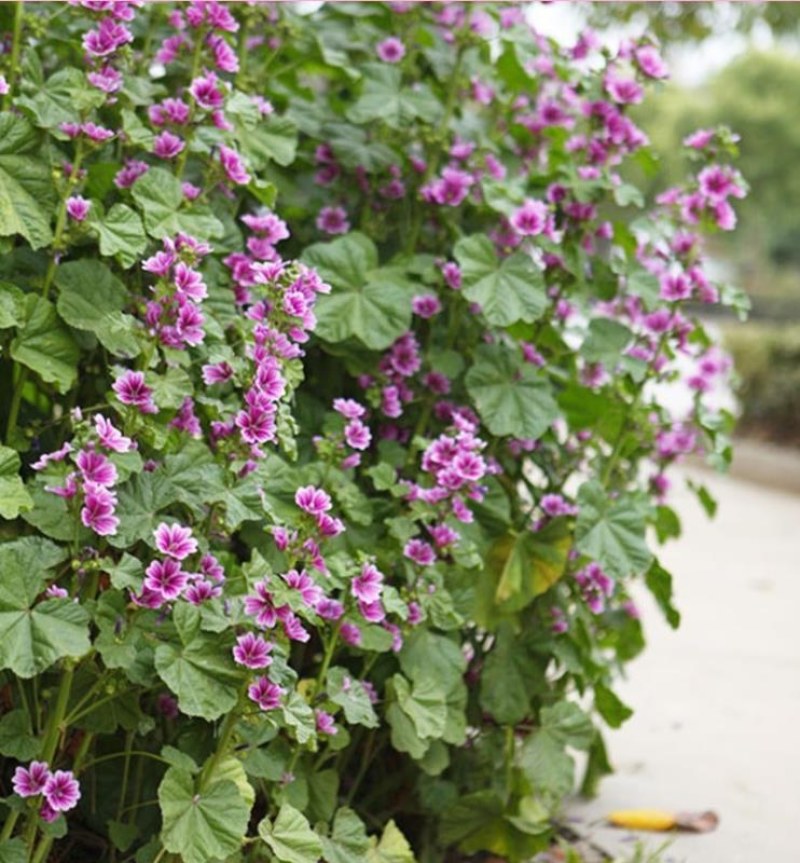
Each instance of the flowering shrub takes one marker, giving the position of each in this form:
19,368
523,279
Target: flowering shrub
331,350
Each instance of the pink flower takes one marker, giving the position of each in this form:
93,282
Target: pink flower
268,225
530,219
368,585
108,37
650,62
110,437
267,695
261,606
62,791
349,408
98,509
166,578
624,91
205,92
58,455
357,435
78,208
95,467
350,634
167,146
325,723
96,133
107,79
233,164
127,176
175,540
309,590
31,780
4,88
333,220
312,500
426,305
219,373
450,189
390,50
225,58
252,651
131,389
420,552
700,139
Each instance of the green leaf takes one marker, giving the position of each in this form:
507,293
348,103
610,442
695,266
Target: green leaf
61,99
543,759
291,838
605,342
704,496
349,693
12,306
271,139
44,344
91,298
510,676
384,97
120,233
201,824
512,398
611,531
659,583
195,476
27,196
428,655
610,707
16,738
13,851
14,497
645,285
529,564
201,674
165,210
35,635
369,303
299,716
424,702
508,291
393,847
139,501
348,842
122,835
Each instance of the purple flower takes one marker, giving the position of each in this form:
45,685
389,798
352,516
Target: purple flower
390,50
78,208
350,634
98,509
167,146
325,723
31,780
111,437
189,282
450,189
218,373
58,455
310,592
368,585
4,88
420,552
175,540
700,139
261,606
132,390
252,651
95,467
357,435
267,695
233,165
167,578
312,500
127,176
624,91
426,305
225,58
330,609
96,133
333,220
530,219
62,791
109,36
349,408
205,92
107,79
650,62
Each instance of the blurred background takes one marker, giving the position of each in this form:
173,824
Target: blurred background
717,702
737,64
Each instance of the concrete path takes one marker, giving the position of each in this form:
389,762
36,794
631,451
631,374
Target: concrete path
717,722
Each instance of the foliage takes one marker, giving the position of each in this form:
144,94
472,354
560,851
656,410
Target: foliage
319,529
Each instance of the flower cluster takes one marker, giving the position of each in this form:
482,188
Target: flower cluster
59,789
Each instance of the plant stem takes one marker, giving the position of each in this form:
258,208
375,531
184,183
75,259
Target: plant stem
326,660
221,751
56,719
16,44
196,60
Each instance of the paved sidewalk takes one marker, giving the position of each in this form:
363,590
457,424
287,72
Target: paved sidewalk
717,722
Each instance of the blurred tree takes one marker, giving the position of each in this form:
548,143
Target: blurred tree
674,22
758,96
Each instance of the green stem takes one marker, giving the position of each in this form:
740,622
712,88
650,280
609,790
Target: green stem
243,52
74,717
138,753
228,727
8,827
126,769
197,57
326,660
16,44
56,720
16,400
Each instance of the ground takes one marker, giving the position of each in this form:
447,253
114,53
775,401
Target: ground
718,702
